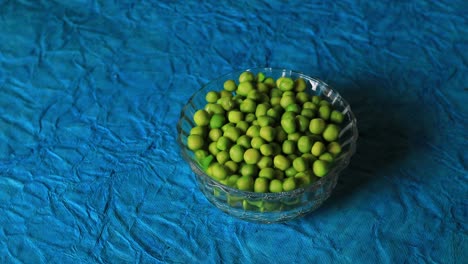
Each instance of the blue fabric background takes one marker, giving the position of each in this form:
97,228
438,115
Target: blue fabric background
90,93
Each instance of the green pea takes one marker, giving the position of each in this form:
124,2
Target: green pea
289,125
198,130
267,172
232,180
300,164
327,156
294,136
218,171
317,126
265,162
253,131
227,126
235,116
302,123
318,148
222,157
245,183
262,109
213,149
267,150
316,99
244,141
248,170
309,113
212,97
230,85
236,153
336,117
225,93
265,121
232,166
288,147
295,108
248,106
289,184
195,142
250,117
270,82
331,132
300,85
304,144
275,101
252,156
287,100
214,109
275,92
246,77
263,88
302,97
309,158
273,113
276,186
334,148
223,143
254,95
303,179
217,121
243,126
290,172
324,112
233,133
201,118
227,103
281,135
286,84
268,133
281,162
256,142
261,185
320,168
244,88
200,154
324,102
260,77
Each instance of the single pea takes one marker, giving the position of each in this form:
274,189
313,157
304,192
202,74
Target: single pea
317,126
254,95
222,157
275,92
243,126
276,186
201,118
294,136
223,143
198,130
232,180
270,82
295,108
250,117
316,99
324,112
288,115
286,84
302,123
212,97
268,133
287,100
278,81
291,157
310,105
300,164
336,117
225,93
246,77
331,132
232,166
281,135
273,113
289,147
245,183
214,109
327,156
302,97
290,172
235,116
218,171
324,102
265,121
304,144
227,103
300,85
260,77
244,141
236,153
318,148
233,133
227,126
230,85
309,113
267,172
289,125
195,142
289,93
244,88
248,169
213,149
267,150
238,99
289,184
253,131
281,162
256,142
201,155
262,109
320,168
248,106
334,148
275,101
255,122
217,121
261,185
309,158
263,88
265,162
251,156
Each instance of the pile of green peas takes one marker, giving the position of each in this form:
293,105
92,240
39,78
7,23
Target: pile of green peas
265,135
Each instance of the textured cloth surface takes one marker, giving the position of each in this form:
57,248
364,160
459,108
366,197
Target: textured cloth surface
90,93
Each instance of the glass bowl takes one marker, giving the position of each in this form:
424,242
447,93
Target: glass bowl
275,207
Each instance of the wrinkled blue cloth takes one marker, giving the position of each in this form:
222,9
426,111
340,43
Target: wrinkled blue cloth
90,93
